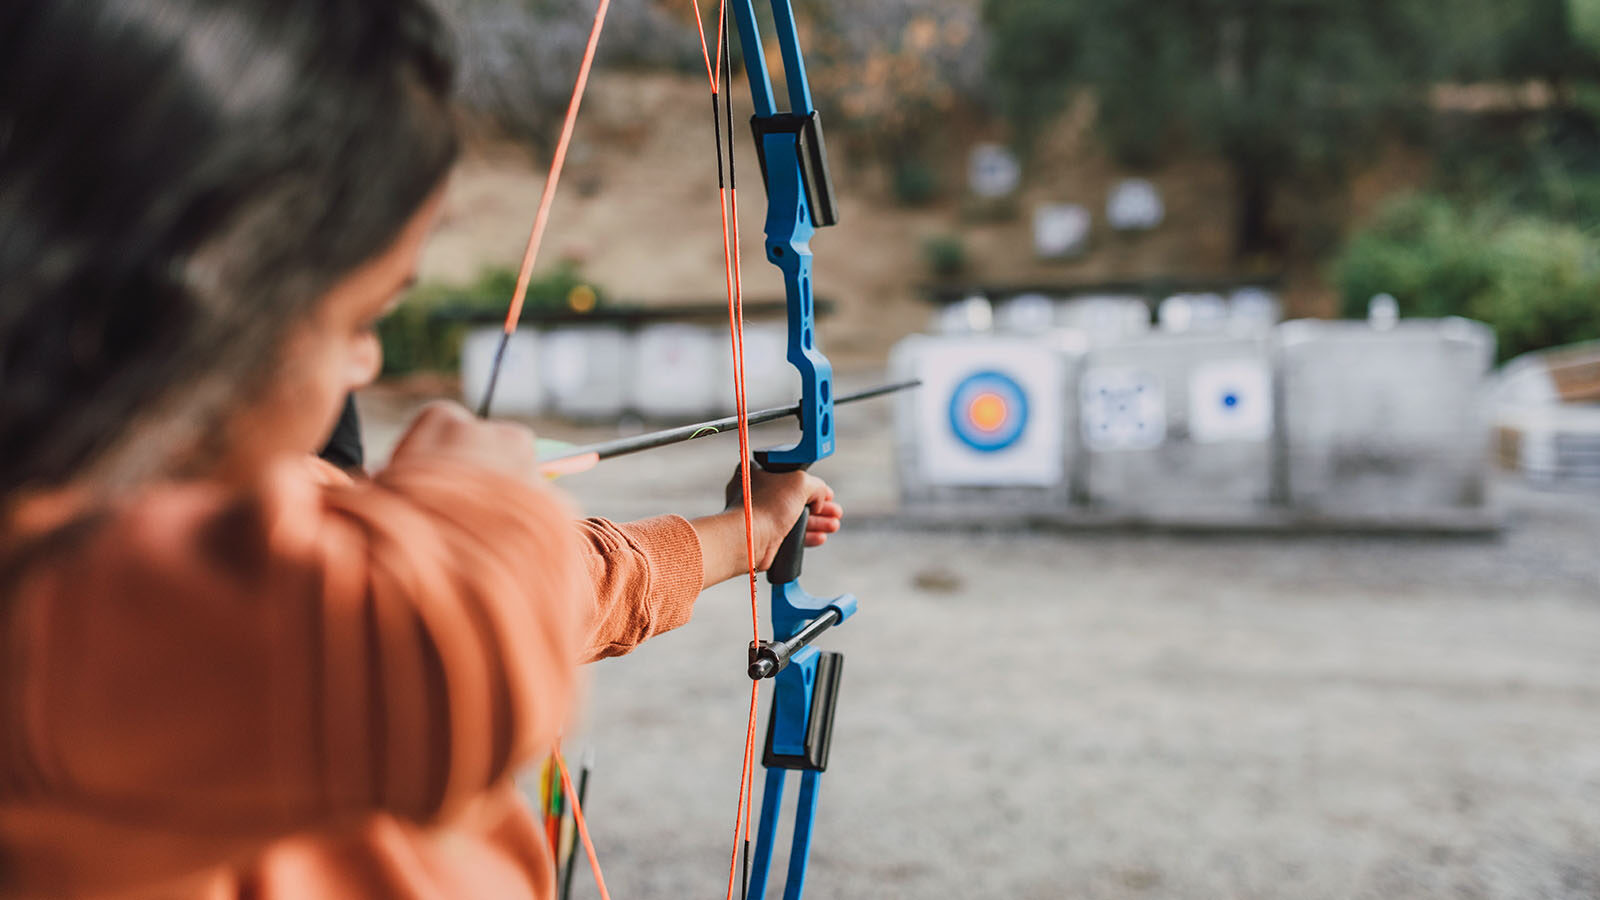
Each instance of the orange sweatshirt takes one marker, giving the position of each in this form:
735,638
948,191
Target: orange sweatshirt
306,690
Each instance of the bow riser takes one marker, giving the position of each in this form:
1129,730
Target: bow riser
789,233
794,168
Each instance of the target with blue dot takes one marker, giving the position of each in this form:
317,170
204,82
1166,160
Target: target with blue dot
1230,400
988,411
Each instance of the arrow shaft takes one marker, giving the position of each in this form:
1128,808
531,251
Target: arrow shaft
668,436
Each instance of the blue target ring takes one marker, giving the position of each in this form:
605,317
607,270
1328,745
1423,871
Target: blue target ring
988,411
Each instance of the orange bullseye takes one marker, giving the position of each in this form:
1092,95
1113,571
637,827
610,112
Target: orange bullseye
988,411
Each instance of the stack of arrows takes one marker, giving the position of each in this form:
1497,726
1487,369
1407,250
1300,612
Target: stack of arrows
559,825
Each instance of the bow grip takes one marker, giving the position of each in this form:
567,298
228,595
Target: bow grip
786,564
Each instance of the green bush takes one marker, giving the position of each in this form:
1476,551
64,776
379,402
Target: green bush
1421,250
410,342
945,254
1536,282
424,332
1547,291
915,182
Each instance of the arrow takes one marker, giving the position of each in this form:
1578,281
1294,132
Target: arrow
569,460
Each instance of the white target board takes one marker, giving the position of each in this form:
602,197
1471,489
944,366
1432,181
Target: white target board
1122,408
993,171
675,372
518,390
1061,230
1230,400
586,370
990,412
770,380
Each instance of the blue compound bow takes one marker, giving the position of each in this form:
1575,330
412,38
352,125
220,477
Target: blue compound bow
794,165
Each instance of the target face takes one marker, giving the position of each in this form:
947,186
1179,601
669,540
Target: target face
1122,408
1230,400
988,411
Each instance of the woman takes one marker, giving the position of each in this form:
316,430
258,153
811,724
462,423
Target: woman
230,671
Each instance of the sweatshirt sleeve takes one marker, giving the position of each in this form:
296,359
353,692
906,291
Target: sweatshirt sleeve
300,657
646,577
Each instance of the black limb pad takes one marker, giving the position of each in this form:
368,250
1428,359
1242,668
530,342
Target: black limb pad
813,160
819,727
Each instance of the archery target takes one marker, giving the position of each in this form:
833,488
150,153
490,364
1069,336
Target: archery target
989,413
1230,400
1122,408
1061,230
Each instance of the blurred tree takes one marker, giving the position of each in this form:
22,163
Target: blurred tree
890,73
1533,280
519,57
1585,19
893,74
1535,152
1282,89
1539,40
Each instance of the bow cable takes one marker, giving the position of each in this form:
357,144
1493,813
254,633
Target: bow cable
530,255
726,52
719,75
728,203
547,196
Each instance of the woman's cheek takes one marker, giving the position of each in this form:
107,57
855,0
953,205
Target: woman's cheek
366,361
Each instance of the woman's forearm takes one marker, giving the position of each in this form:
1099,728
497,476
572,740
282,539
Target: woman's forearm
722,546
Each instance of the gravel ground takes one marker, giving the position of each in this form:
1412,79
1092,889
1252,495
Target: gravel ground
1091,715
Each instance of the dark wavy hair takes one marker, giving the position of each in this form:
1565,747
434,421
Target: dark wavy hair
180,182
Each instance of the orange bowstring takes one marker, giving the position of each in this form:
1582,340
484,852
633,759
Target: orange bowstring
729,207
541,218
729,204
705,52
755,607
530,255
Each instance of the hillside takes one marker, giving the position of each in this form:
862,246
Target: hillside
637,209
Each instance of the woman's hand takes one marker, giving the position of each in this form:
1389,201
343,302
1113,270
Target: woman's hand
445,430
776,501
